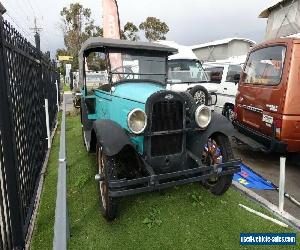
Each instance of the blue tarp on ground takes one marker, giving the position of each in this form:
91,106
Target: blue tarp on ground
248,178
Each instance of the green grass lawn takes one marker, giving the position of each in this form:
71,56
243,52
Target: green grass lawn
185,217
66,88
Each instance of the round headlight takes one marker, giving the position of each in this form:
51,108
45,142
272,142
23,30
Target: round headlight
137,121
203,116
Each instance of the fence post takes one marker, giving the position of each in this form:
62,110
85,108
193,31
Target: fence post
57,97
9,152
47,123
281,183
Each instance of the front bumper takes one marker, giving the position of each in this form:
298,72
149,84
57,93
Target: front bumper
153,182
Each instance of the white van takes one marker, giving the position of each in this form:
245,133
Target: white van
185,73
224,76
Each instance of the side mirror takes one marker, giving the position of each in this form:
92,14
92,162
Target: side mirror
236,78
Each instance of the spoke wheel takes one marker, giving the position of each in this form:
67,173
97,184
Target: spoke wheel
229,113
200,97
217,150
106,168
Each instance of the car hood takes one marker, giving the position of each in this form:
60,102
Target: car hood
211,88
138,92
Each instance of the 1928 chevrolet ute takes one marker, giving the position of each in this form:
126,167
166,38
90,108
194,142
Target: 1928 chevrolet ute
145,137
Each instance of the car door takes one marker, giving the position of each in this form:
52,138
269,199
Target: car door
228,88
216,76
104,99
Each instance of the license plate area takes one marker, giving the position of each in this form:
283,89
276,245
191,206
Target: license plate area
252,118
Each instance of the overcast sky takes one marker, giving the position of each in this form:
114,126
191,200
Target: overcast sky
190,21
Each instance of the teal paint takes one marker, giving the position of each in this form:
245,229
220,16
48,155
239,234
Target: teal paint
117,104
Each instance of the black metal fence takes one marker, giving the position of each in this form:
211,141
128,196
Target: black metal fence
27,78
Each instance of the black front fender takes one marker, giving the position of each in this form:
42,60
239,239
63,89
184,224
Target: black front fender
197,140
111,136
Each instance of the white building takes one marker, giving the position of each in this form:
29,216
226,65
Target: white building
224,49
283,19
184,52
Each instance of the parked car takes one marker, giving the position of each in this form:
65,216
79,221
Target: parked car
268,99
188,75
185,73
145,137
93,80
224,77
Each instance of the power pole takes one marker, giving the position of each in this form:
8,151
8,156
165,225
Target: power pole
37,37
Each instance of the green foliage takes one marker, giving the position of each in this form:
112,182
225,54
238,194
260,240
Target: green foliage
153,218
154,29
129,32
78,26
95,62
196,199
66,88
81,181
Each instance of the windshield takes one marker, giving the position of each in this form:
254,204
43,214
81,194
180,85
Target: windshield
94,79
264,66
141,66
215,73
186,71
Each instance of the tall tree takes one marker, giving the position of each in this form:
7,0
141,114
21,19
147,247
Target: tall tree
154,29
129,32
78,26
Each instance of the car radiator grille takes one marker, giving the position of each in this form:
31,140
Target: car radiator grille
167,116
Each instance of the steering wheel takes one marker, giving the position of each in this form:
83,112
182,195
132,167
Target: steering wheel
123,69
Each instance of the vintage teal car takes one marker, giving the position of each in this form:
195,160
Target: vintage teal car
145,137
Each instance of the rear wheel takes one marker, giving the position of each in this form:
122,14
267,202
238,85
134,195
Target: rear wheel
106,169
217,150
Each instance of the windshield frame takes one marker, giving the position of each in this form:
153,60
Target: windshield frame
188,60
162,54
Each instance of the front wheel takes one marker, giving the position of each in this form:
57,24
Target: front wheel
229,113
217,150
107,169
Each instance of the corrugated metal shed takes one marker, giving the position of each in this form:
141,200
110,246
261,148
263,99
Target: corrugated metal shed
222,49
222,41
266,12
283,18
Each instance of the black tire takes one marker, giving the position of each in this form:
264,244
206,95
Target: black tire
228,112
106,166
200,95
221,184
